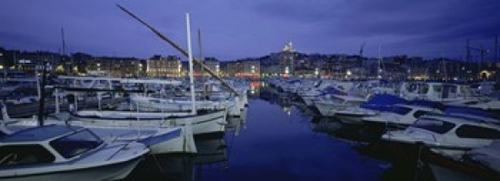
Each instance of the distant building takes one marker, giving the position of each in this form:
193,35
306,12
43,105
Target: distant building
211,63
116,67
243,68
80,61
250,69
158,66
270,71
287,60
233,68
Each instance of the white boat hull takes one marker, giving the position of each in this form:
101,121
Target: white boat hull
158,140
116,171
201,124
179,140
327,109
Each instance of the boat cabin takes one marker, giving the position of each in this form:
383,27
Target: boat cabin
46,144
436,91
453,131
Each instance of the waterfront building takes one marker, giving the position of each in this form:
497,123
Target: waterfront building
116,67
28,61
232,68
170,66
80,61
211,63
250,69
247,68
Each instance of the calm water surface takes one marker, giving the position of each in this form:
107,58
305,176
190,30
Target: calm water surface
276,142
280,145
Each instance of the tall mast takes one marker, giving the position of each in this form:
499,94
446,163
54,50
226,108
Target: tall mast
496,56
379,70
68,67
362,60
201,54
190,57
63,41
445,71
467,58
496,49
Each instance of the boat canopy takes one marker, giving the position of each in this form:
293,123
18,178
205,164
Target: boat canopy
383,102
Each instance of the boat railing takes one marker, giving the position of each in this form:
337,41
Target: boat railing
123,147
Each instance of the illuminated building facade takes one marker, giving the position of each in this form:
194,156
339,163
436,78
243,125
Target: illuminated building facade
158,66
116,67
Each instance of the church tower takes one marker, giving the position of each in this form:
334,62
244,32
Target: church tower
287,60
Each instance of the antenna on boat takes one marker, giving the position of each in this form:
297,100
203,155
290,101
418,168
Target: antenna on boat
190,57
184,52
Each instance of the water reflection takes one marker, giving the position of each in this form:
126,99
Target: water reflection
165,167
280,140
361,139
255,87
212,155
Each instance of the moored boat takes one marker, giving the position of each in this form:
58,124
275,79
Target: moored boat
59,152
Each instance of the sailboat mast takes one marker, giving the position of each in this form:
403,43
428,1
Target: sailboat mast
190,57
68,67
379,70
363,75
467,58
201,54
445,70
202,74
496,49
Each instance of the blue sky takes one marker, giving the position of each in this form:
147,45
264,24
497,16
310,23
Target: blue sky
233,29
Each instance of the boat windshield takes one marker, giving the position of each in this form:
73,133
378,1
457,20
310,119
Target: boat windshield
400,110
76,144
434,125
24,155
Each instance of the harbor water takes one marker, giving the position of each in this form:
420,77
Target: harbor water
279,140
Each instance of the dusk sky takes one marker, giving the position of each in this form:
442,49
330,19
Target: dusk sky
233,29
